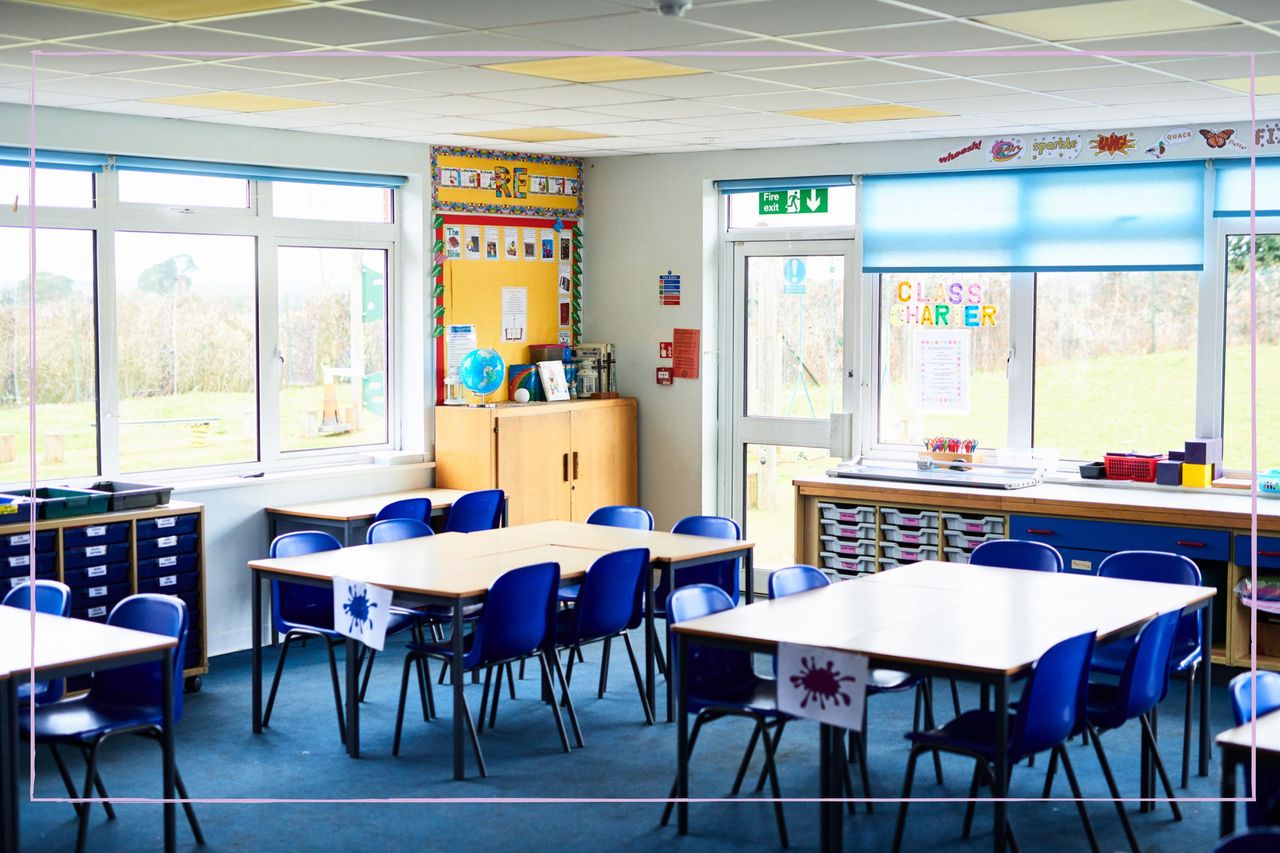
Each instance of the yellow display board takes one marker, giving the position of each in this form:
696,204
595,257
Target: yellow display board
476,180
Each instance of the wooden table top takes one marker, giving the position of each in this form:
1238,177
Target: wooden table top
663,547
61,641
1242,737
366,506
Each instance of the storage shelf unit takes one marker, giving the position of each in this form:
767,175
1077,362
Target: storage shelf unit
107,556
857,538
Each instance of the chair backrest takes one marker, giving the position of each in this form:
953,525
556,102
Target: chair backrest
51,597
1145,677
395,529
140,685
795,579
635,517
298,603
713,672
1017,554
418,509
1255,839
518,615
1054,696
723,574
1243,687
1161,567
475,511
612,594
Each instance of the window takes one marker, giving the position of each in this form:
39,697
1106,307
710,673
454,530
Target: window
162,188
796,208
327,201
1119,343
944,346
54,187
1236,419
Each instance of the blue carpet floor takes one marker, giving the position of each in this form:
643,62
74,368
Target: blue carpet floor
300,756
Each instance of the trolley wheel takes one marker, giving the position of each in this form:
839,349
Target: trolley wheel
193,684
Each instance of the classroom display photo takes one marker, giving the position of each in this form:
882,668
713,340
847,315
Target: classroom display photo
356,490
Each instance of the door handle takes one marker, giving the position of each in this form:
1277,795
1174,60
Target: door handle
1039,531
564,466
575,464
1188,544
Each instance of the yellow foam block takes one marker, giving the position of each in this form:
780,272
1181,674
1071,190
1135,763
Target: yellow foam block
1197,476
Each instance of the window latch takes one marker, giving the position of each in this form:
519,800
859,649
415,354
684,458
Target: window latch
1008,362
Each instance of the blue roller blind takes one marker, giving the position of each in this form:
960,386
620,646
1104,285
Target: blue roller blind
257,173
759,185
67,160
1231,187
1134,217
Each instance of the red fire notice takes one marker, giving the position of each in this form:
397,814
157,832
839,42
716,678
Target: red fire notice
686,346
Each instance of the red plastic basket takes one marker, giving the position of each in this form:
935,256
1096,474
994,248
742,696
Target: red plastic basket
1140,468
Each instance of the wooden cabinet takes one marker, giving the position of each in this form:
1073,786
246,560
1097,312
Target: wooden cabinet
555,461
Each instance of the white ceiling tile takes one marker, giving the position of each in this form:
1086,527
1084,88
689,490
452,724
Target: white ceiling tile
960,124
366,131
428,138
448,124
843,73
573,95
1099,116
938,35
802,16
1219,67
344,92
971,8
335,25
630,128
350,65
984,65
116,88
1215,106
100,64
146,108
749,120
1250,10
284,119
465,81
1097,77
513,115
794,100
452,105
10,74
1001,103
765,53
1238,37
1144,94
45,98
483,14
42,21
699,86
472,48
177,37
349,114
920,90
672,108
628,31
206,75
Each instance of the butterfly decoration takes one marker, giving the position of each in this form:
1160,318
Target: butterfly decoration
1218,139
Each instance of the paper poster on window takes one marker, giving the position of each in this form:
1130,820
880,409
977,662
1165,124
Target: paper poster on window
942,370
452,242
491,242
529,244
511,243
548,244
515,312
821,684
472,245
458,341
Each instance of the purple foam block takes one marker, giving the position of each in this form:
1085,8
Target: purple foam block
1175,456
1169,473
1203,451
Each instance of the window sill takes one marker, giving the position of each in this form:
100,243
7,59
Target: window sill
181,487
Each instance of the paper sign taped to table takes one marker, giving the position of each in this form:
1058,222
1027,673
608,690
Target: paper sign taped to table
820,684
361,611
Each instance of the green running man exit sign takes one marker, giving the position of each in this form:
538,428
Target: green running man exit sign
794,201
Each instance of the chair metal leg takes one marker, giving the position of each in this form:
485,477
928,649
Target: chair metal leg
404,689
188,807
475,741
955,696
635,670
693,739
1164,777
337,692
511,681
550,687
604,667
973,796
1075,792
746,761
568,700
1050,773
484,697
425,694
771,766
901,823
777,741
275,681
66,776
1186,725
926,692
91,773
1115,790
368,669
848,777
497,693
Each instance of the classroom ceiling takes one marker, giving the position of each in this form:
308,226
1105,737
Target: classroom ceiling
384,85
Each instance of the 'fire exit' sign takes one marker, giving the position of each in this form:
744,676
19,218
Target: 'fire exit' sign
794,201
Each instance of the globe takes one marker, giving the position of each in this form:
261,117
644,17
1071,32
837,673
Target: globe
482,371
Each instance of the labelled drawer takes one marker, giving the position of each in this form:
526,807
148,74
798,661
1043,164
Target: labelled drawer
167,565
890,533
163,546
19,564
973,524
94,612
94,555
1082,561
95,534
1121,536
98,596
849,547
1268,551
169,525
20,543
849,531
169,584
906,553
967,541
955,555
847,514
848,565
9,583
919,519
105,573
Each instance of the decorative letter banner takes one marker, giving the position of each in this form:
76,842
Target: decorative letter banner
821,684
361,611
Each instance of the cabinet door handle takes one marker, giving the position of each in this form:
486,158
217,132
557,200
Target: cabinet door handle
1040,531
575,464
1269,553
1189,544
564,466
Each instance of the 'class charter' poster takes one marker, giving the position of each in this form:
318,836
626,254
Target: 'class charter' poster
957,305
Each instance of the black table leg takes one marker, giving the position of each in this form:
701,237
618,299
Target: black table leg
669,575
166,747
9,742
1206,656
455,671
650,637
1227,815
675,672
1000,789
257,652
832,816
353,699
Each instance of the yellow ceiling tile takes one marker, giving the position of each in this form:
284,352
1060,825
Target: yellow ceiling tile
1108,20
1264,85
596,69
175,10
871,112
537,134
239,102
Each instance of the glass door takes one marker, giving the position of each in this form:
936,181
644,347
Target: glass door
793,366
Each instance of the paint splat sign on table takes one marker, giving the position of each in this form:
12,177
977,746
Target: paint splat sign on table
821,684
361,611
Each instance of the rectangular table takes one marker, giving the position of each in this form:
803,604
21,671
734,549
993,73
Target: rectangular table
66,648
978,624
669,553
451,569
347,518
1237,745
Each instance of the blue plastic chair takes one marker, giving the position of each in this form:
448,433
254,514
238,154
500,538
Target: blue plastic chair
518,621
723,574
794,579
1143,683
1045,716
723,683
632,517
395,529
54,598
125,700
610,603
417,509
1243,686
475,511
1161,567
1255,839
1017,554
